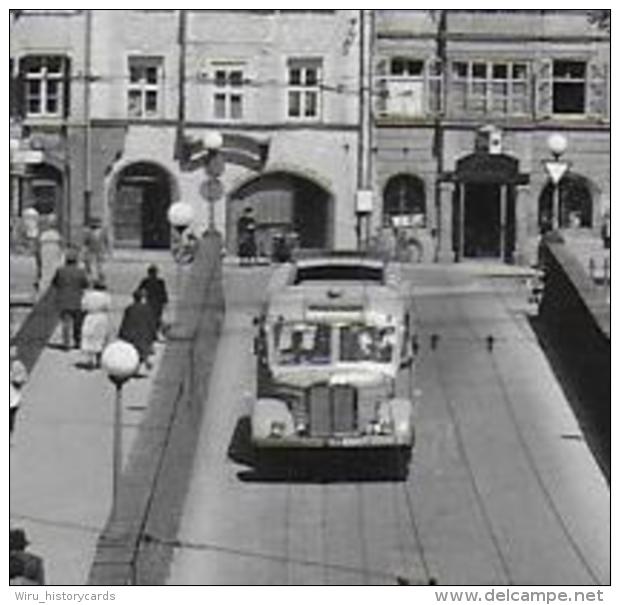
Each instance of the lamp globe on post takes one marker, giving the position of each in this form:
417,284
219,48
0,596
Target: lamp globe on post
213,140
556,168
180,215
557,144
120,360
212,189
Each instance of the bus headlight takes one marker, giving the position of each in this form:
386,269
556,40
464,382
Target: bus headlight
276,430
386,427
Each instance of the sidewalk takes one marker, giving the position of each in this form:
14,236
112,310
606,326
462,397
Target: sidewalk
61,457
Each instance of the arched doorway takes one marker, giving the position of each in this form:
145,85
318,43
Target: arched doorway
139,204
46,190
404,201
283,203
484,205
575,201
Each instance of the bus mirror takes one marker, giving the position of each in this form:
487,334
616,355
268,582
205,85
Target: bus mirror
255,321
406,363
256,346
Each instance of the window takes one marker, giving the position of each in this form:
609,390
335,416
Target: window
145,87
360,342
404,202
302,343
304,89
569,87
228,95
45,79
336,272
483,87
410,87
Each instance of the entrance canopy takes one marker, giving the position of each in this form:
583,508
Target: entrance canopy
483,167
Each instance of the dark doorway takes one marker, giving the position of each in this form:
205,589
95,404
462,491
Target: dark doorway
283,204
575,199
46,186
482,220
143,196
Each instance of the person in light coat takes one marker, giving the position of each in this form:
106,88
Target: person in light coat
96,329
18,375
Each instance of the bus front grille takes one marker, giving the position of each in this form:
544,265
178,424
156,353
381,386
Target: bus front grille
332,410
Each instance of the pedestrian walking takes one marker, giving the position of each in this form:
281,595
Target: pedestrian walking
246,236
156,294
18,375
96,329
70,281
25,568
32,232
138,327
95,250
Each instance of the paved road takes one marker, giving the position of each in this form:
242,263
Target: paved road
502,488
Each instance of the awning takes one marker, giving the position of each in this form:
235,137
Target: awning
483,167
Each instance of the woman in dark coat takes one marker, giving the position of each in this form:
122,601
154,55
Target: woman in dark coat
138,326
156,293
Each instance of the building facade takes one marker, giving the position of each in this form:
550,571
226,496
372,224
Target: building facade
442,115
279,85
465,103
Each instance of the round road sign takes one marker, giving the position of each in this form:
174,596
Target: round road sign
212,190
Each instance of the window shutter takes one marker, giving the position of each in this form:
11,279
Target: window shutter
13,90
381,97
434,85
18,90
381,89
381,69
66,97
543,105
597,93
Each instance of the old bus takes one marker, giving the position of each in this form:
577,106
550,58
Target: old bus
334,358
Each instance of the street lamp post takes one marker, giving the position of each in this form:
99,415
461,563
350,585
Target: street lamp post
556,169
212,188
180,216
120,360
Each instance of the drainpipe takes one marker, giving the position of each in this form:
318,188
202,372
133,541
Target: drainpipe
439,128
182,41
87,125
365,123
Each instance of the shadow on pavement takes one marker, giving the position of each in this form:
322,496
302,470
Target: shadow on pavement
315,466
589,398
57,346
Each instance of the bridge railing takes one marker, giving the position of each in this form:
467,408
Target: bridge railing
136,545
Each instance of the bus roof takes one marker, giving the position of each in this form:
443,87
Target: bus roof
336,302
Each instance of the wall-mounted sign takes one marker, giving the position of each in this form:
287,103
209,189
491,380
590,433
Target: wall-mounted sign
363,201
27,156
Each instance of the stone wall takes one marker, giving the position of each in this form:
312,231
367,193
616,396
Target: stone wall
575,319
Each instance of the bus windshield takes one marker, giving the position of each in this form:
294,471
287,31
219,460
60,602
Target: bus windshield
302,343
359,342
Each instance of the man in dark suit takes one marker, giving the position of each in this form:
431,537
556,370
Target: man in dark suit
70,281
246,236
